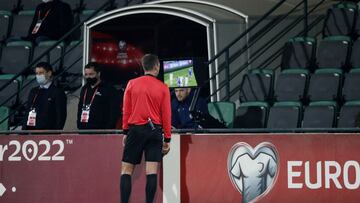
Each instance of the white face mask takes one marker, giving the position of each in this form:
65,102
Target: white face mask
41,79
45,1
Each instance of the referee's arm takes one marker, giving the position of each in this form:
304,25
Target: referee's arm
126,108
166,116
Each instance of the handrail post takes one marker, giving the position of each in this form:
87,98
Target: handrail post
306,16
227,61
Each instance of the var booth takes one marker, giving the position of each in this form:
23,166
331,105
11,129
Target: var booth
172,29
199,168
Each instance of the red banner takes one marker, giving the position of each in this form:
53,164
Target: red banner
270,168
65,169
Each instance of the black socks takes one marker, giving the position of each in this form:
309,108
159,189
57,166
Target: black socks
151,184
125,188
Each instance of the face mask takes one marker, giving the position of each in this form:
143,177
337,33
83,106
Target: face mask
41,79
45,1
91,81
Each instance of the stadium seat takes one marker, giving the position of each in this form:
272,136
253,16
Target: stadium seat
350,115
320,115
94,5
73,59
80,17
333,52
28,83
291,85
357,27
340,19
123,3
21,24
5,19
4,113
8,96
8,5
85,14
15,57
74,4
351,88
285,115
325,85
298,53
223,111
29,4
55,55
72,65
251,115
355,53
257,86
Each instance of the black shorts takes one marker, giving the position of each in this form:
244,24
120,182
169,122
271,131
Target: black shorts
141,138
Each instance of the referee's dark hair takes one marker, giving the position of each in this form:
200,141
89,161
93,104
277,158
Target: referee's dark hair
93,65
45,65
149,61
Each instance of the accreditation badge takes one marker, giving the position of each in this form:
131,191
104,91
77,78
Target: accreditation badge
31,121
85,114
36,27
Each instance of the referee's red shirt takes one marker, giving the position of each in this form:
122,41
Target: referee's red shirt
145,97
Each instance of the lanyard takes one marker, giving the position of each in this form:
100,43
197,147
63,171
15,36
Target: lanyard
46,14
92,98
33,102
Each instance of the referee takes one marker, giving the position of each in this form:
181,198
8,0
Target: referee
146,114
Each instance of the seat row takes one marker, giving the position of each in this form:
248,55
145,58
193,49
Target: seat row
322,114
15,27
26,52
65,59
331,52
300,85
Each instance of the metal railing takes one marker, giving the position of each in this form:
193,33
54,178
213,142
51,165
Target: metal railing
229,59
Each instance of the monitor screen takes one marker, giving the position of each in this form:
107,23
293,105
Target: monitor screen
179,73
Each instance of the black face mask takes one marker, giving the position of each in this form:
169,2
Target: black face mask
91,81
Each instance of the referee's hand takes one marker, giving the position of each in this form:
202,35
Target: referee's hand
166,148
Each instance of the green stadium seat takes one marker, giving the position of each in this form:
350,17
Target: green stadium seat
21,24
320,114
5,19
285,115
10,91
299,53
349,115
15,56
4,121
257,85
251,115
55,55
223,111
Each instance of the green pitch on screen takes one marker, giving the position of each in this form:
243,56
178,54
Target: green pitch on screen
181,78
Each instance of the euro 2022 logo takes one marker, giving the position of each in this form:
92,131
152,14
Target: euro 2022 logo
253,171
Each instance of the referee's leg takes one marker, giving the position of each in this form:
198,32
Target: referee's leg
127,170
151,180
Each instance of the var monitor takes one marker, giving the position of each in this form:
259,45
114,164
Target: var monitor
179,73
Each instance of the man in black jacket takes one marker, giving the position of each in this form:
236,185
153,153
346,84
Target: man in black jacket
51,21
96,108
46,106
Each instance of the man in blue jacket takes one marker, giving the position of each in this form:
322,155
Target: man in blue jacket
181,117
